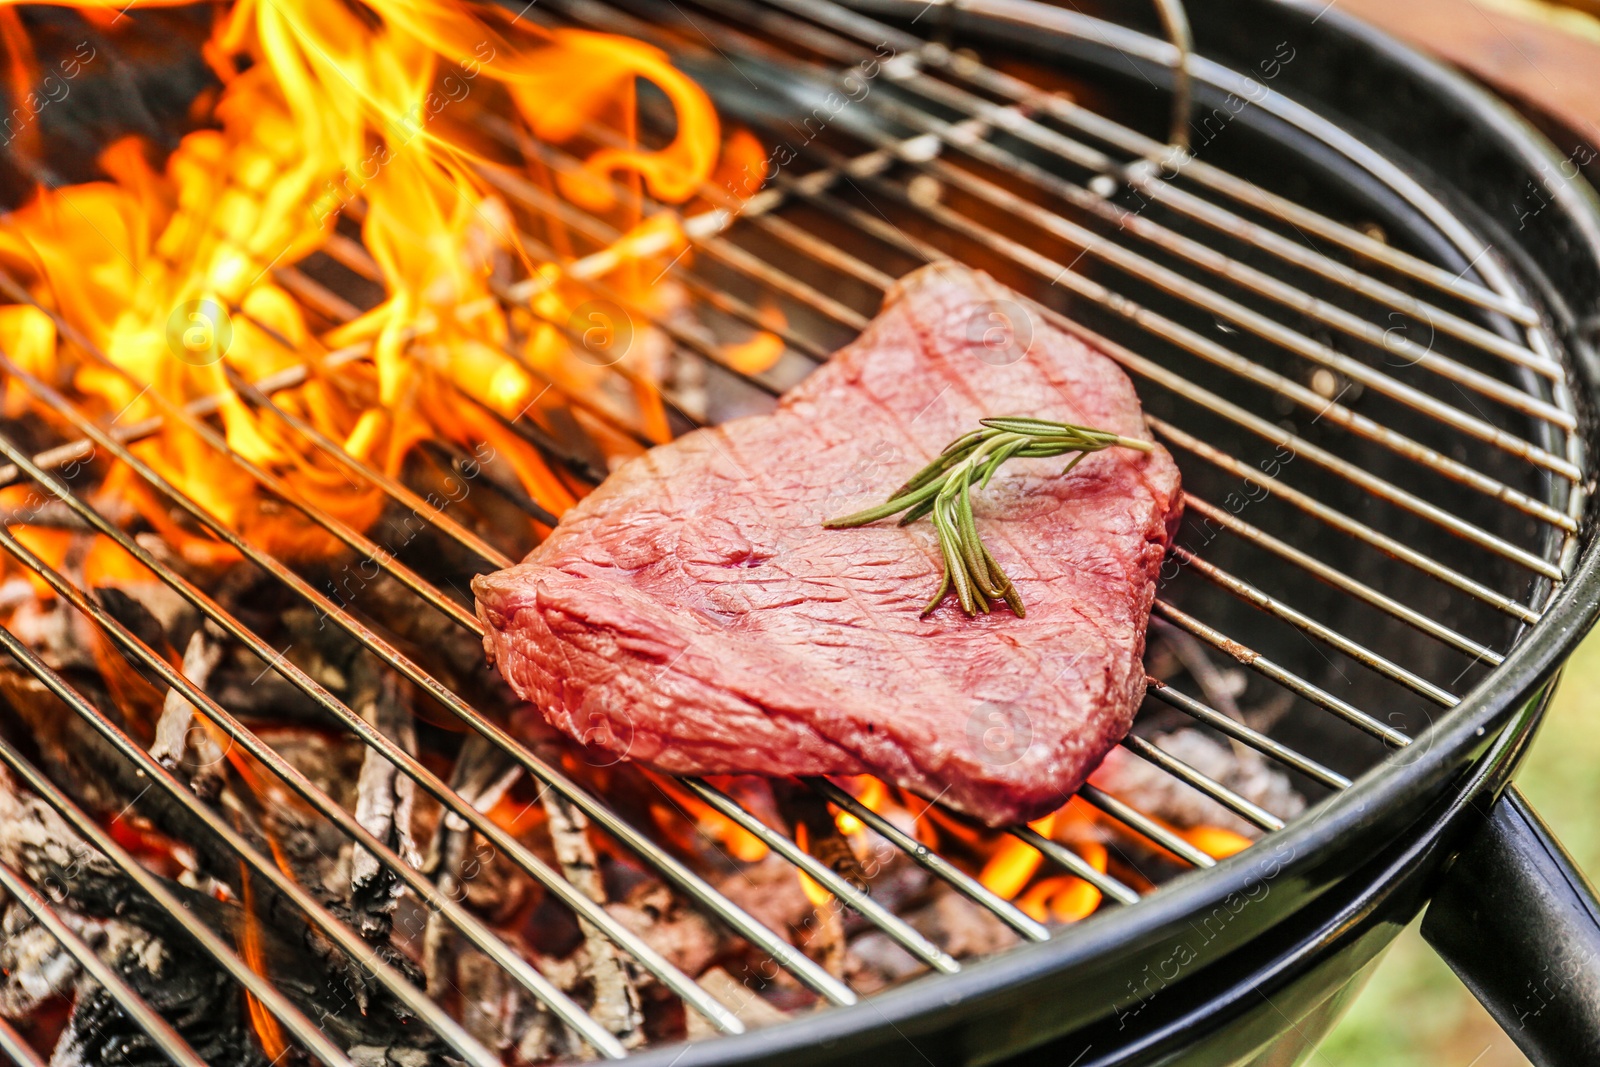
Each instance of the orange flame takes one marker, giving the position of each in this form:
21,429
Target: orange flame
266,1027
329,109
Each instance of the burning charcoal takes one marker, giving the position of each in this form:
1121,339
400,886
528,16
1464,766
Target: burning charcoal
875,961
815,830
747,1004
462,865
197,999
60,636
200,1001
681,934
616,998
182,744
959,926
34,964
1151,789
496,1011
383,806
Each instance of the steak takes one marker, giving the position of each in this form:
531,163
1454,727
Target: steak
693,614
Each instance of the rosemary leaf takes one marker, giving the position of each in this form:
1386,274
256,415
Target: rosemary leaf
943,491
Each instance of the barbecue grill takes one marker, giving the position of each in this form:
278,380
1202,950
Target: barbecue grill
1357,296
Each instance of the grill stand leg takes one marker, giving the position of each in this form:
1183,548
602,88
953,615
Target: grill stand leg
1519,924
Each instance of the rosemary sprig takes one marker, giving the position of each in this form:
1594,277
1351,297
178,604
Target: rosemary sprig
943,489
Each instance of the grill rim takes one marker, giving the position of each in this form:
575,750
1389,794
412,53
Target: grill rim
1483,738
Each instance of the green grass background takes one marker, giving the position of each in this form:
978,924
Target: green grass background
1414,1012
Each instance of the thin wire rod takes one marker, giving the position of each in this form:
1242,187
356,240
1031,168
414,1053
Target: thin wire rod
1055,272
871,32
1372,483
1269,668
1440,462
931,861
1213,353
757,211
620,829
1359,424
1220,265
1257,597
1203,784
1175,284
902,932
1017,119
1175,23
338,528
1146,826
413,767
305,1031
22,1054
577,401
469,924
81,449
1143,179
430,894
357,259
350,942
395,489
155,1027
717,247
1244,734
1063,857
1142,174
1332,576
1340,521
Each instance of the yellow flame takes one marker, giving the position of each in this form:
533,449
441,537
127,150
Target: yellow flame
330,109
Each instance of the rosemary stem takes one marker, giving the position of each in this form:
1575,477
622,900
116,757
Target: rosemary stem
943,490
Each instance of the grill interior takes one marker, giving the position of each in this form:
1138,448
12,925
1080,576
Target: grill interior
1379,454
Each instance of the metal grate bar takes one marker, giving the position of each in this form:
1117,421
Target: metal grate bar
1278,609
1338,520
1146,826
1337,578
350,942
930,860
1268,668
1055,272
1240,806
1192,292
1064,857
665,864
469,925
426,891
1343,467
1144,179
304,1030
1304,685
154,1026
904,935
1206,257
1242,733
1017,119
20,1052
706,232
1219,792
1148,369
870,32
877,160
1220,356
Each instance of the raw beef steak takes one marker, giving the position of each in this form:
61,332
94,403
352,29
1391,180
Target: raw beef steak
693,614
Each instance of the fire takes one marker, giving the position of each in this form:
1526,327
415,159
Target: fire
351,109
1216,841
